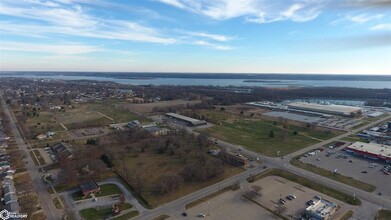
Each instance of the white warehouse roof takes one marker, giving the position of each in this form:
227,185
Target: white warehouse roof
371,148
333,109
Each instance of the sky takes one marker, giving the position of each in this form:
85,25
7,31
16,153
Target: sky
227,36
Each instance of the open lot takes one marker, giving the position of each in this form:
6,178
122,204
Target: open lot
275,187
90,131
230,205
357,169
256,135
81,115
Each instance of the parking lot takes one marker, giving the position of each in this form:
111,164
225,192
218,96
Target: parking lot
229,205
275,187
359,168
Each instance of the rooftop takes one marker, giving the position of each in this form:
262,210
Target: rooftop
377,149
323,108
322,207
184,118
89,186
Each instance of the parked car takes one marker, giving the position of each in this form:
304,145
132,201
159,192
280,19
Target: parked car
310,202
318,197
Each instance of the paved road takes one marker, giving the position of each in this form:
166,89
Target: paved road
370,200
176,207
44,197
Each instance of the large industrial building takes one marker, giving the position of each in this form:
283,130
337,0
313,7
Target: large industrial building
189,121
328,109
371,151
321,210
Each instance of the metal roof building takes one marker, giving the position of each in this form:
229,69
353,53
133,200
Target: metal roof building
187,120
328,109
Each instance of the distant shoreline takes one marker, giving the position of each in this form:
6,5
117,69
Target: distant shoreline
134,78
242,76
266,81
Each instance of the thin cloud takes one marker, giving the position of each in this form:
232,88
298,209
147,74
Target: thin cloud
216,37
256,11
59,49
212,45
71,19
358,18
381,27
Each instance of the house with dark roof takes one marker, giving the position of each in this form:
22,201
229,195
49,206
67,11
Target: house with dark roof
89,187
61,150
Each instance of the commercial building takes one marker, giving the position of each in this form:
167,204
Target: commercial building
371,151
328,109
321,210
189,121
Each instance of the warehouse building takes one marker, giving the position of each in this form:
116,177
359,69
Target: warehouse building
371,150
189,121
321,210
328,109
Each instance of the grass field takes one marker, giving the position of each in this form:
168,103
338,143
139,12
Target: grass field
109,189
57,203
383,215
337,177
34,159
354,139
254,135
95,214
81,116
127,216
39,156
312,185
115,111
